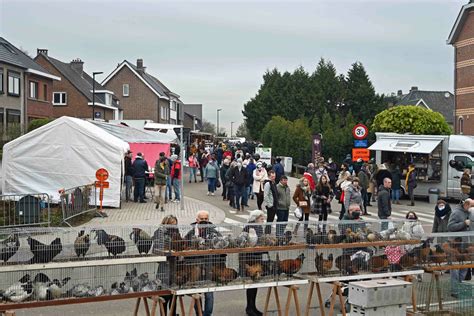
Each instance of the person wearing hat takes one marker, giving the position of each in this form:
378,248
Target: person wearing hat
128,175
255,221
441,218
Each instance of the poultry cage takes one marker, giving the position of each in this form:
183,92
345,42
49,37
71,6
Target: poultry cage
206,256
346,248
450,251
62,280
28,245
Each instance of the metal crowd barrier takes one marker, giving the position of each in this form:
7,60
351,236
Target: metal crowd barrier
31,209
77,201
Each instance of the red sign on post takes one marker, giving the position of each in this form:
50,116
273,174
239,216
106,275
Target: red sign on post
360,131
102,175
362,153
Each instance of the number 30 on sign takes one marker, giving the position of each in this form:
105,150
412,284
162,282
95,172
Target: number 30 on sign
360,131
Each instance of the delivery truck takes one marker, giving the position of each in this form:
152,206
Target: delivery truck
439,160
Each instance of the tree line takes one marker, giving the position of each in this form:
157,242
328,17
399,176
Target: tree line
290,107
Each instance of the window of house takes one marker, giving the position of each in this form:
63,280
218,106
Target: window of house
33,90
461,125
13,83
1,81
45,92
59,98
2,118
13,117
125,90
108,99
173,105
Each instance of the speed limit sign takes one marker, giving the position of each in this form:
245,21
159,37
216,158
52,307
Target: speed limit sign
360,131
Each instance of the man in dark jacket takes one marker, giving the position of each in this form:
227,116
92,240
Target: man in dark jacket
270,198
140,167
459,222
128,175
364,184
332,171
283,205
204,229
239,178
278,168
162,172
384,202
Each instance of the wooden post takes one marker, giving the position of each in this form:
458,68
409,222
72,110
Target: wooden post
277,300
341,299
438,291
310,297
320,299
333,299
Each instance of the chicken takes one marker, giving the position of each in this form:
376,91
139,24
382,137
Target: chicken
422,252
268,240
290,266
44,253
379,263
254,271
408,260
152,285
323,265
177,242
80,290
350,236
188,274
82,244
199,243
223,275
19,291
56,288
253,237
40,286
346,266
334,238
269,267
286,238
142,240
118,288
98,291
242,240
114,244
9,247
219,242
311,238
438,256
453,251
131,280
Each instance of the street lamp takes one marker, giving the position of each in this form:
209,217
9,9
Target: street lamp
217,131
93,92
231,125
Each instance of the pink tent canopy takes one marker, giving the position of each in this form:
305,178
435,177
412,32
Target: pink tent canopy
150,150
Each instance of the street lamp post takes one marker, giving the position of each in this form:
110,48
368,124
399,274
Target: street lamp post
93,92
231,125
217,131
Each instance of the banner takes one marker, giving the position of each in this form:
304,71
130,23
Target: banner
316,148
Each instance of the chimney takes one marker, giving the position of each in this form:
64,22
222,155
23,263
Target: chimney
140,67
77,65
42,51
413,89
399,93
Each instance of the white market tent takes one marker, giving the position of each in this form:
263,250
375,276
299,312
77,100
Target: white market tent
63,154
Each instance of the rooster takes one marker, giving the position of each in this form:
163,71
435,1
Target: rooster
290,266
142,240
346,265
254,271
379,263
439,255
408,260
82,244
44,253
9,247
223,275
268,240
422,252
323,265
114,244
187,274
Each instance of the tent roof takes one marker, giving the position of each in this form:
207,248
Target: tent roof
78,124
133,135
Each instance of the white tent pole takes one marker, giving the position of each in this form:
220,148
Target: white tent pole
182,169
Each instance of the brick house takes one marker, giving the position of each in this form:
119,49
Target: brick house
461,38
25,88
73,95
143,96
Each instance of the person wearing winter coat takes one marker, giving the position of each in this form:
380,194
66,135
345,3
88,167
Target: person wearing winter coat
332,170
353,194
322,198
161,173
283,204
270,198
259,177
396,176
364,186
239,178
251,166
211,173
466,185
176,177
459,221
312,171
302,199
193,167
342,187
140,167
441,218
222,172
321,171
384,202
412,227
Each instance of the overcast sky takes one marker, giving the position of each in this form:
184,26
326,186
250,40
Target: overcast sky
215,52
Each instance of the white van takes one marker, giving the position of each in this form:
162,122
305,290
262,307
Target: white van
439,160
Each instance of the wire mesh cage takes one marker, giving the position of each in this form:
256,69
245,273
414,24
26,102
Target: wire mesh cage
24,210
361,247
450,250
75,279
28,245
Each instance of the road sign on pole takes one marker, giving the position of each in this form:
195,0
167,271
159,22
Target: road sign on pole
360,131
102,175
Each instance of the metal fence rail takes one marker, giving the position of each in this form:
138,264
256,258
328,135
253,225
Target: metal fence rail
31,209
77,201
